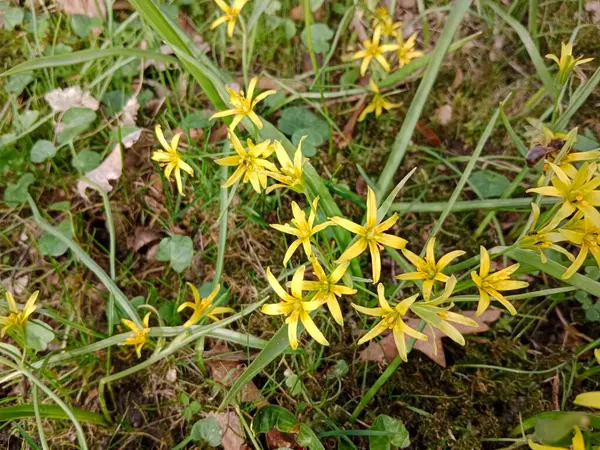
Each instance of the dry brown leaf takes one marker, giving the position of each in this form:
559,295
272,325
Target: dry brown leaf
429,135
385,349
142,237
232,437
90,8
110,169
279,439
444,114
61,100
594,7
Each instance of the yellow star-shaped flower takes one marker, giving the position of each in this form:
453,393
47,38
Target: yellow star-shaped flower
378,104
291,173
490,284
294,308
17,318
371,235
231,14
406,50
566,63
243,105
374,49
139,336
170,159
203,306
428,269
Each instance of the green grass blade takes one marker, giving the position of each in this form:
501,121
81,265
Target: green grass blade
416,107
83,56
469,205
555,269
49,412
578,99
530,46
522,148
276,346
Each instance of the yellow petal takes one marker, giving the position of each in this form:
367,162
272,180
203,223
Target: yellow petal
588,399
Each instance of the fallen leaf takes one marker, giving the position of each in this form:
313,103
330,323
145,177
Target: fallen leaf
279,439
16,286
429,135
110,169
594,7
61,100
90,8
228,367
232,434
385,349
129,113
444,114
142,237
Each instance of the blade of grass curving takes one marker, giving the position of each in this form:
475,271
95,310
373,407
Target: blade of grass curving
307,28
106,280
387,204
416,107
554,269
578,98
49,412
38,418
469,205
534,54
421,62
532,21
522,148
46,62
346,18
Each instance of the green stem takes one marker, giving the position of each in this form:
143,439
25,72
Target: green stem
223,206
120,297
38,419
469,205
309,43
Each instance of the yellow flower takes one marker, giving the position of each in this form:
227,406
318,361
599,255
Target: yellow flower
290,174
581,231
231,14
391,318
171,159
301,228
373,49
490,284
578,193
250,163
576,444
439,317
294,308
543,239
427,269
243,105
17,318
385,22
327,288
372,236
588,399
567,63
139,336
597,355
203,306
406,50
378,104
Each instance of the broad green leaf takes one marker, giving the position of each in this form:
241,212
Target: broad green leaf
81,24
321,35
76,121
340,369
25,121
12,17
349,77
559,429
16,83
298,118
42,150
271,416
16,194
489,184
86,160
307,438
50,245
115,101
398,437
38,335
294,383
178,250
207,430
196,119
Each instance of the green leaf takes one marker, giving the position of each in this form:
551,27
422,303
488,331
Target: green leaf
307,438
60,206
294,383
13,17
50,245
315,4
298,118
176,249
349,77
16,83
38,335
398,434
321,35
81,24
25,121
42,150
271,416
340,369
196,119
557,430
208,430
489,184
16,194
115,101
10,413
86,160
76,121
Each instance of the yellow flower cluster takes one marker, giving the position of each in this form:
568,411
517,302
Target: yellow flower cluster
374,49
17,318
